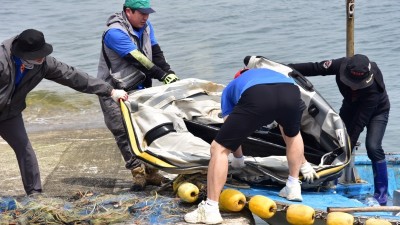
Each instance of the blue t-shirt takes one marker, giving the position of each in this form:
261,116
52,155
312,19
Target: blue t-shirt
119,41
232,92
20,70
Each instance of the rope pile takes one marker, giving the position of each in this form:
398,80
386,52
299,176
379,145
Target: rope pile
95,209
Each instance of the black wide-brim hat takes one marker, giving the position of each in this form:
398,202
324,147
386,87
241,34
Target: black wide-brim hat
357,74
30,44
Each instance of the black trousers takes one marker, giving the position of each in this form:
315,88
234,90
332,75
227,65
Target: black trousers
14,133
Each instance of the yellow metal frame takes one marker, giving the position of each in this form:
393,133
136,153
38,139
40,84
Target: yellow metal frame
133,141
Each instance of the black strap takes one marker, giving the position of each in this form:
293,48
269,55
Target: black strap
158,132
104,52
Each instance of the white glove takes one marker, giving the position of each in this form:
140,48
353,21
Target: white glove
238,163
118,94
308,172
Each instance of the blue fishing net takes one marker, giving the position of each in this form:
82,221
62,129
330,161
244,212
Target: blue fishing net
92,208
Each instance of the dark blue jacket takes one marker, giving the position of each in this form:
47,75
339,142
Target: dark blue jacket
358,106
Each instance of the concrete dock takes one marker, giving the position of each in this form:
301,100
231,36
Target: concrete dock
80,160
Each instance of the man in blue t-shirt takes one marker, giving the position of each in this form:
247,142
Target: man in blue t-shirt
130,59
256,97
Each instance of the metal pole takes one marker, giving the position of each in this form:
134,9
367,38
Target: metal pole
364,209
349,28
350,174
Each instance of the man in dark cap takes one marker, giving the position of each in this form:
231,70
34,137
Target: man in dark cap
131,58
25,61
365,105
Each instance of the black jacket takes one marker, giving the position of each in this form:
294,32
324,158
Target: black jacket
358,106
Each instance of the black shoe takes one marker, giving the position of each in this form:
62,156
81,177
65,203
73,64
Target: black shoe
34,194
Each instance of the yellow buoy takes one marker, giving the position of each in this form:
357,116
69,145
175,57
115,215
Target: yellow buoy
374,221
232,200
262,206
298,214
339,218
188,192
177,182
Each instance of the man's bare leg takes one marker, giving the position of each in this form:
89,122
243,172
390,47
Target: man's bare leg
295,157
294,154
217,170
208,211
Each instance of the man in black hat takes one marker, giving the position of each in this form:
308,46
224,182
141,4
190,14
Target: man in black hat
365,105
25,61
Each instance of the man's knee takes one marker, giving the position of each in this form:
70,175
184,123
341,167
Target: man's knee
218,149
376,155
375,152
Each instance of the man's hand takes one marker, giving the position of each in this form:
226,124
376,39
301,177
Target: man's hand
308,172
238,163
117,94
169,78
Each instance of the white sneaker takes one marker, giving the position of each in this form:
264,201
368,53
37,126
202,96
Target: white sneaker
292,193
204,214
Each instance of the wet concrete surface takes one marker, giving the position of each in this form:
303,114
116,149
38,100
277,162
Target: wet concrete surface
82,160
69,161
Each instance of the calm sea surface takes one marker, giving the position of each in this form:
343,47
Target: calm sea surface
208,40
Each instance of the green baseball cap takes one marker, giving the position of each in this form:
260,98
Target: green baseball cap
141,5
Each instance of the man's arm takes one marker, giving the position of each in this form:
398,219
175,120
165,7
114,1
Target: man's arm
80,81
140,61
72,77
121,43
159,58
326,67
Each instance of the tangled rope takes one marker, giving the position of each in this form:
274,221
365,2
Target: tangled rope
95,209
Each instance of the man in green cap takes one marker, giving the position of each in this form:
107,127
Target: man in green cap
131,57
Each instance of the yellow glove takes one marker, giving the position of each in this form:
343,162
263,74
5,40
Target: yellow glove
169,78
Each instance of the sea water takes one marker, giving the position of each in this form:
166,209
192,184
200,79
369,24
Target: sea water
208,40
